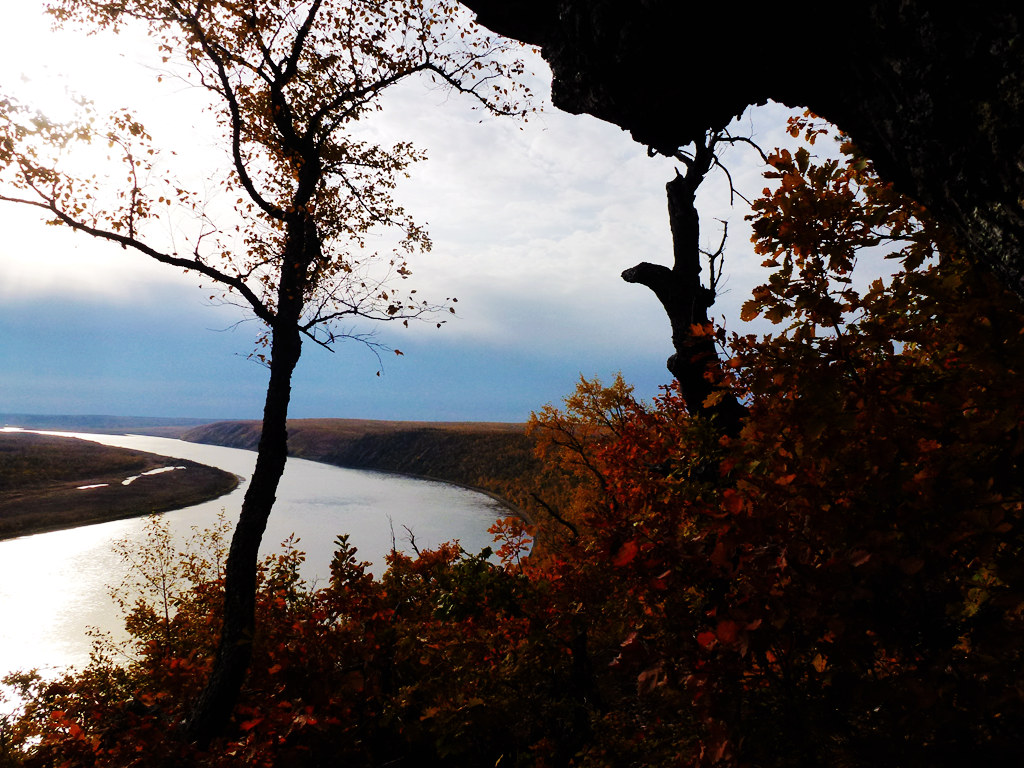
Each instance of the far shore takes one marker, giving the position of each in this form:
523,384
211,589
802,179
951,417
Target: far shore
81,521
492,458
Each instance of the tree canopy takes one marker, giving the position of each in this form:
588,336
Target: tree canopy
289,80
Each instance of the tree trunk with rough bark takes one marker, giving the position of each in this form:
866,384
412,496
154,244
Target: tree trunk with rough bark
234,651
213,710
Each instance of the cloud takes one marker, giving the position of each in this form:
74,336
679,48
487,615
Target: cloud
532,225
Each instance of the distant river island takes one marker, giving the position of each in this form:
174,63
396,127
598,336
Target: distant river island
49,483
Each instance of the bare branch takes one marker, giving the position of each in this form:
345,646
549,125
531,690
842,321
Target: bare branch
412,540
227,92
717,255
556,515
125,241
727,138
292,63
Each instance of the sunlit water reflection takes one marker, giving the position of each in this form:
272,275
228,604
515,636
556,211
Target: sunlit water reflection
53,586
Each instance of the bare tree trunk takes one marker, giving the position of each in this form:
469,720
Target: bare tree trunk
686,300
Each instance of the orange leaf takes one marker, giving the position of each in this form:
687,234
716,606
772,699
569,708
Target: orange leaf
750,310
714,398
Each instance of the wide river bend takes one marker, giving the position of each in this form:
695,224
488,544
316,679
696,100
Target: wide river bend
55,586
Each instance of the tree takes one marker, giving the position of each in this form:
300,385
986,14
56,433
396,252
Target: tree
845,582
684,297
289,79
445,659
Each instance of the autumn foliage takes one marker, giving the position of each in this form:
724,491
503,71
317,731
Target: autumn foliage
840,584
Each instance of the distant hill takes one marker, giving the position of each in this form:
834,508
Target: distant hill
145,425
493,456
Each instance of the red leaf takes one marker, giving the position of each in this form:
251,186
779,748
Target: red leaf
661,582
707,639
626,554
721,556
732,502
727,631
859,557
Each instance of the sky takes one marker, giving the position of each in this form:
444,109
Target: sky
531,223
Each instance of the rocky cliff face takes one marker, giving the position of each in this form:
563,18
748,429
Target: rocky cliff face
934,95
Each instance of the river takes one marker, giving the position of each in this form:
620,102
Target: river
55,586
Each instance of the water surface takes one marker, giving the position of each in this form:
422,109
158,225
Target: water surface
54,586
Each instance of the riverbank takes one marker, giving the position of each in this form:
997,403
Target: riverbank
50,483
491,457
